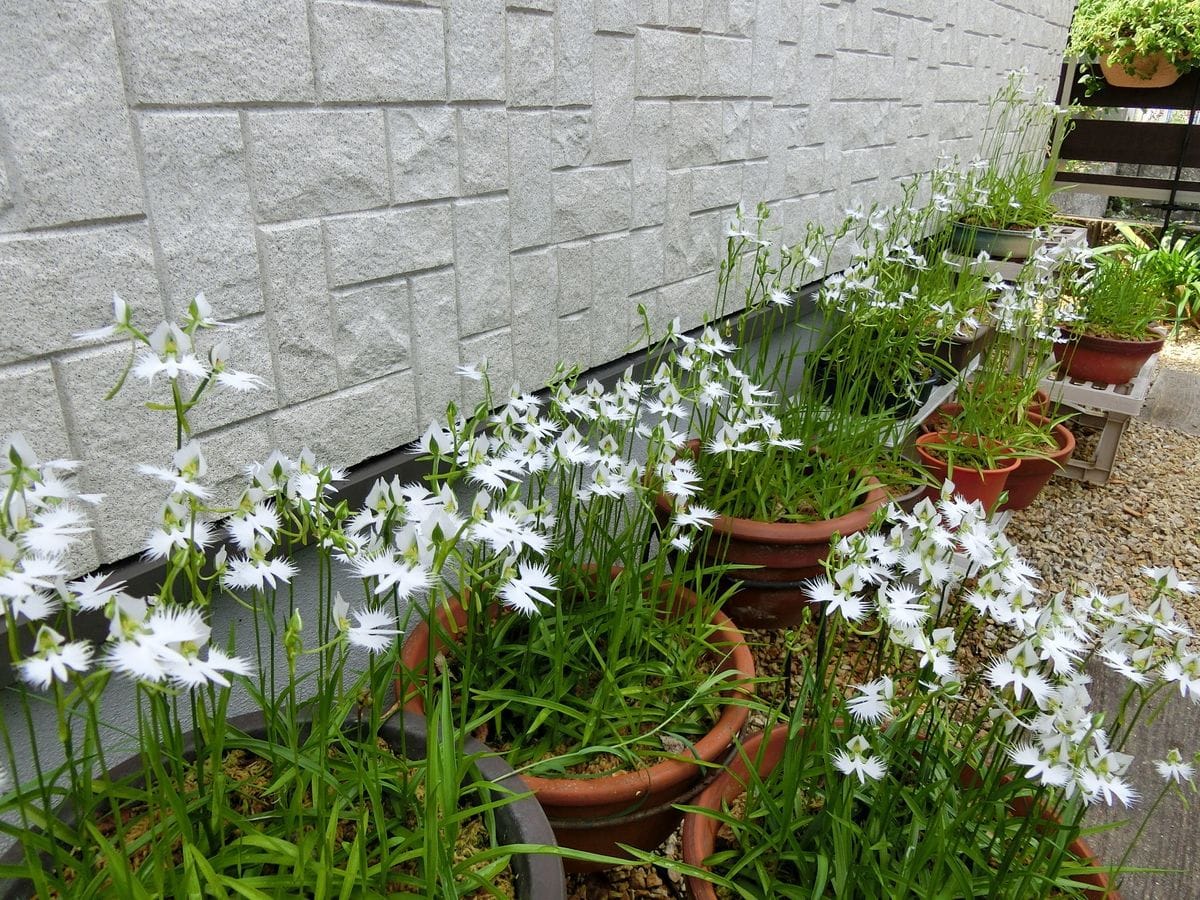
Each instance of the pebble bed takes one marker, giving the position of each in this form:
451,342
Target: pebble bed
1075,533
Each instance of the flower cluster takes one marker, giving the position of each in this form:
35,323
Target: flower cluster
932,572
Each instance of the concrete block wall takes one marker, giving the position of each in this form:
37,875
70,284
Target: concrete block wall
376,192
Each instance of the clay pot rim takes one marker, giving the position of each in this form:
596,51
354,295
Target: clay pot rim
1008,232
784,533
1111,344
699,830
1062,434
932,436
625,786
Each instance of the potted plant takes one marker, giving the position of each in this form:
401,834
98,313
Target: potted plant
1174,259
965,456
1108,333
1139,43
316,790
1002,399
788,445
552,640
925,770
1003,201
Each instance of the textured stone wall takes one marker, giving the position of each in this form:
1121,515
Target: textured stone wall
377,191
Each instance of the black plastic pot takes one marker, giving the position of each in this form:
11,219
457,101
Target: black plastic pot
953,354
520,821
900,397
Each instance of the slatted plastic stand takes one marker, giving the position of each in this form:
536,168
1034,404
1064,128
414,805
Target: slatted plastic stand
1108,407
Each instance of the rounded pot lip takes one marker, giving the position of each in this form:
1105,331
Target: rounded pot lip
1024,233
663,775
793,532
699,831
1062,434
933,436
1115,345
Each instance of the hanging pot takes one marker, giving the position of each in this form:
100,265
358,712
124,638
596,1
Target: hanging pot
1152,71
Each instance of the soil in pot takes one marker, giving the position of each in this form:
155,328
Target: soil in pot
700,831
597,811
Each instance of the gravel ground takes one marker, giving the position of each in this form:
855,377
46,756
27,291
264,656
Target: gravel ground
1148,514
1182,352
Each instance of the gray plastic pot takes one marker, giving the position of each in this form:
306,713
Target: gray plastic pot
521,821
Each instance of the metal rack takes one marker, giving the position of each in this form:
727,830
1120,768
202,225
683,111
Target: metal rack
1175,146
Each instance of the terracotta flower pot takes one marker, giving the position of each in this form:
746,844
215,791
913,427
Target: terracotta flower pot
971,484
700,830
1085,357
520,821
1034,472
1153,71
784,554
635,808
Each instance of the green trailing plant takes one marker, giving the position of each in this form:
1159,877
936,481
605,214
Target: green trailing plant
1124,30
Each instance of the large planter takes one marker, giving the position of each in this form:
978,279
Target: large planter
1013,244
1034,472
700,830
984,485
900,398
519,821
1085,357
783,556
953,354
1153,71
637,808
